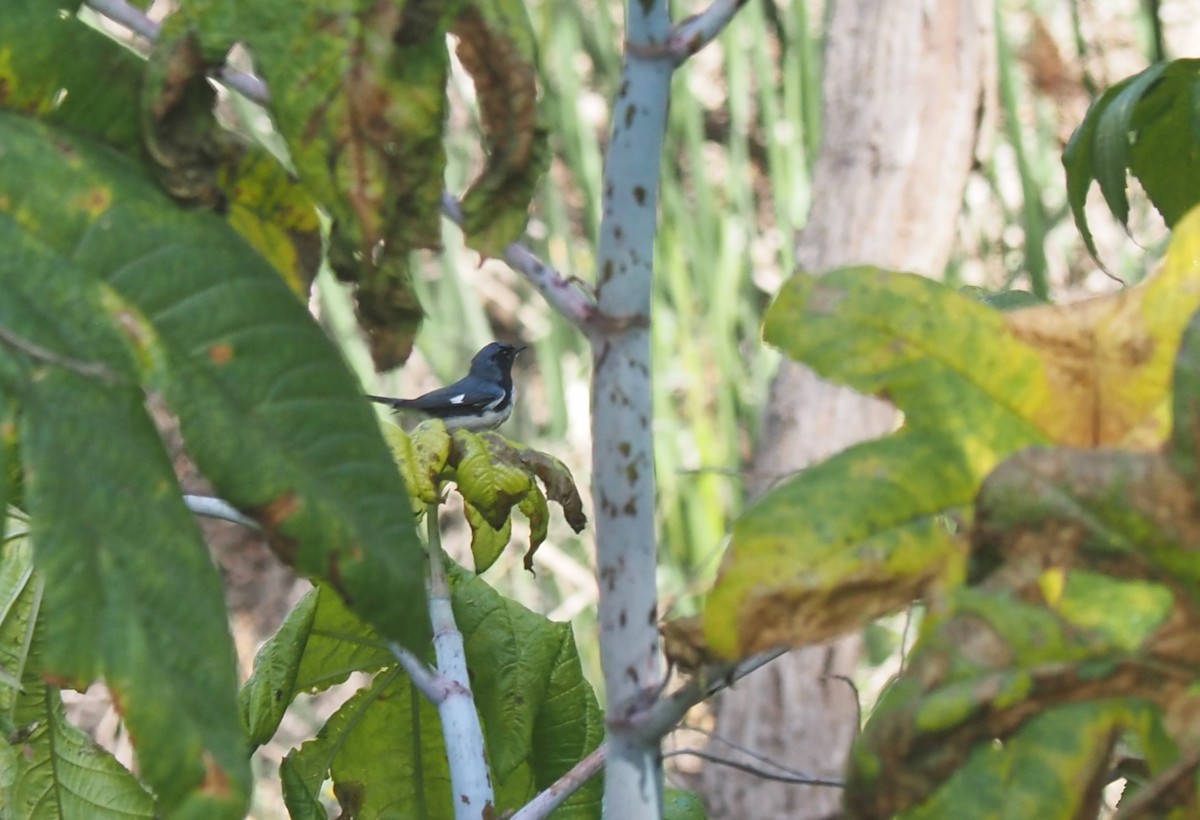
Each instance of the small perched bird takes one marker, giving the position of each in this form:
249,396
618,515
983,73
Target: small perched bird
482,400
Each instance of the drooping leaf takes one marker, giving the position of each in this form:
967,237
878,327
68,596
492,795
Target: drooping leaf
49,769
494,475
497,47
95,91
492,486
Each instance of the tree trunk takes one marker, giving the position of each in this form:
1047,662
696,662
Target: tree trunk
904,89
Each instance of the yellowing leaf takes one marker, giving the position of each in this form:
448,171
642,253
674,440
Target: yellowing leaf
1108,360
859,535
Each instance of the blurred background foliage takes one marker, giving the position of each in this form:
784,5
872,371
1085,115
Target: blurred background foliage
744,126
743,131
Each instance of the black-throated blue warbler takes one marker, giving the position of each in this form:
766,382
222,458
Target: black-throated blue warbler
482,400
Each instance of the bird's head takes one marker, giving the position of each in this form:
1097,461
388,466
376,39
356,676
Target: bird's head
495,360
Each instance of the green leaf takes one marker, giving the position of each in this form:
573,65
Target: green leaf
862,533
270,412
116,572
1111,140
320,643
493,487
48,768
267,693
1166,152
1144,124
680,804
340,642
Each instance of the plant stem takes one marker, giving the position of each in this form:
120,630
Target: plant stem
469,779
622,442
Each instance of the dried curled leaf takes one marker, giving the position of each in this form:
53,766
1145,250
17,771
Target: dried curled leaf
494,476
496,45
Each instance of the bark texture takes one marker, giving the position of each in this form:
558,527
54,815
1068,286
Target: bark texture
905,85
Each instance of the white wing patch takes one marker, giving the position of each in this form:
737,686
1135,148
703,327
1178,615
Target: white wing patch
458,399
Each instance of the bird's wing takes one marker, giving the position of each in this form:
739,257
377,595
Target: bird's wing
457,399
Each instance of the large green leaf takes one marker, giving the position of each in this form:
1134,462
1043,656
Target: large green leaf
385,748
118,549
270,411
49,770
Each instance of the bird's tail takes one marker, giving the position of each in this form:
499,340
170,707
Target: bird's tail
395,404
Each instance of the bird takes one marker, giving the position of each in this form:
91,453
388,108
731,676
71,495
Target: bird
481,400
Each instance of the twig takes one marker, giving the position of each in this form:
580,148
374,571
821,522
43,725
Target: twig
134,19
788,777
561,294
211,507
130,17
697,31
469,779
553,797
92,370
428,681
713,737
662,715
